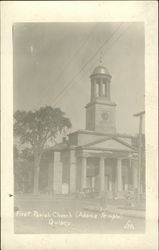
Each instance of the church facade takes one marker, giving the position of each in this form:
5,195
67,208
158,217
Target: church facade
97,157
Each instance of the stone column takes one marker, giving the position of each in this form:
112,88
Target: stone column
72,171
84,173
101,173
119,175
57,182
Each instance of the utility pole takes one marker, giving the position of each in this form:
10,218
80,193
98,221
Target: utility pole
140,115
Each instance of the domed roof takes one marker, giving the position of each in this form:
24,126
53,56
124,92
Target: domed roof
101,70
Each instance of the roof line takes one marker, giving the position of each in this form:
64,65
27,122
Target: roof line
97,141
84,131
108,149
123,142
108,138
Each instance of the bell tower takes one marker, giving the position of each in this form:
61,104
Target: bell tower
100,111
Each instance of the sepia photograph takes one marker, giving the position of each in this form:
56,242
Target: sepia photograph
79,129
79,140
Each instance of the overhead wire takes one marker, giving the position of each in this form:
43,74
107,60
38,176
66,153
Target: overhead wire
103,45
120,35
58,96
71,83
70,60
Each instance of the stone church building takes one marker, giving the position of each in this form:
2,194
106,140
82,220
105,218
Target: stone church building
97,157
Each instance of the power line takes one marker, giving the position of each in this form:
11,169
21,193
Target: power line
70,60
90,59
55,101
58,96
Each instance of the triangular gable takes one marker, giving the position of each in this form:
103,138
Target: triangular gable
110,143
123,140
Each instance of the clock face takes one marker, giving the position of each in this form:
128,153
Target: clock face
105,115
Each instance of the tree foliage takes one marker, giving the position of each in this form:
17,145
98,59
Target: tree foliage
35,128
38,126
23,167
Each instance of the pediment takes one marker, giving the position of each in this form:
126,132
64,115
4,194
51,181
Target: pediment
111,143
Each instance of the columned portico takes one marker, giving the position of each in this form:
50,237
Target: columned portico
111,174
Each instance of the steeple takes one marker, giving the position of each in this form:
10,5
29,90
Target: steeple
100,111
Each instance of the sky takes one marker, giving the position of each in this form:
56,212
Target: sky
52,64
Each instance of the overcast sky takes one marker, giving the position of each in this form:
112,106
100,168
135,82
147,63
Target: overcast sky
48,56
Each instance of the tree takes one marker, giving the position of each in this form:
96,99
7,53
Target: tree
17,170
36,128
23,168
